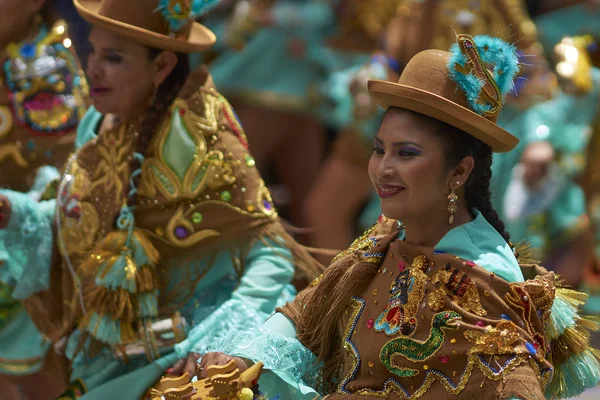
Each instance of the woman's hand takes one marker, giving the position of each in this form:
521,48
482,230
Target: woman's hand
185,365
219,359
4,212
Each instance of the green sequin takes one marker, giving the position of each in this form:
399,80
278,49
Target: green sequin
197,217
225,195
249,160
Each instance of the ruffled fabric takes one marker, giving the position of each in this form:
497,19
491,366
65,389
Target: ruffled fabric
291,369
26,245
230,316
44,176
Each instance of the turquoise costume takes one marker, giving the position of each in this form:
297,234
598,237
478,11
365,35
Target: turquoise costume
43,95
579,19
200,254
551,218
266,70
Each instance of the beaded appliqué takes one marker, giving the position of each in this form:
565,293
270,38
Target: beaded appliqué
417,350
406,293
518,298
366,243
359,305
494,340
197,168
489,99
48,89
459,287
493,372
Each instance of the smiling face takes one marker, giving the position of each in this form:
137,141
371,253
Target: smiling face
408,168
122,74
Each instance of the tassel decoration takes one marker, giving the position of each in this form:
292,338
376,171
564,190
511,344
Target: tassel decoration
123,284
576,364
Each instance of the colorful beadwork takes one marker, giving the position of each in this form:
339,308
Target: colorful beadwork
459,287
358,305
406,292
488,100
358,244
518,298
418,350
494,340
47,87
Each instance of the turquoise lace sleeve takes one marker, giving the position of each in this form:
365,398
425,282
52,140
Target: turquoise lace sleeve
26,245
261,288
231,315
290,368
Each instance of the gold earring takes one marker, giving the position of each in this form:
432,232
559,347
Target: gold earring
452,197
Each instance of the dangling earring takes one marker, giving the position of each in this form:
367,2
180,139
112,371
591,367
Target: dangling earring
452,197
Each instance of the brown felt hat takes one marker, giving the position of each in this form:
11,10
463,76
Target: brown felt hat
140,21
425,87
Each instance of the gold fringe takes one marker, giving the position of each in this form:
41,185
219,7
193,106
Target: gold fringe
149,249
524,253
574,340
118,304
128,334
573,297
146,279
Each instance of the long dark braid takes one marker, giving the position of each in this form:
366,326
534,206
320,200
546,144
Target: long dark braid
165,95
477,188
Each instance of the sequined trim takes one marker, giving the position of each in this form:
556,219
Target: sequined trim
359,306
357,244
518,298
392,385
19,366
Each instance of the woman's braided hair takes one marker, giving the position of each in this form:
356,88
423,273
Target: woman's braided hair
459,145
164,97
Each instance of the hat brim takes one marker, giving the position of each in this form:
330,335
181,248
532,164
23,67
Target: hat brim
200,37
390,94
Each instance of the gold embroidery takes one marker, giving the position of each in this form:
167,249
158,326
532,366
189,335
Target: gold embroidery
12,150
459,287
113,169
518,298
79,235
431,376
494,340
207,169
359,244
179,223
